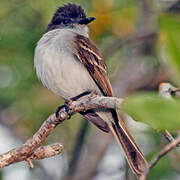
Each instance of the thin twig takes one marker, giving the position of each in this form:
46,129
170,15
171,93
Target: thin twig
162,153
168,136
165,90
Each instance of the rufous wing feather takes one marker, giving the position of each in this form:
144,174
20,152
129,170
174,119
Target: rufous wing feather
89,55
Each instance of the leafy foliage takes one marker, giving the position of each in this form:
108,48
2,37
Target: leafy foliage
151,109
170,28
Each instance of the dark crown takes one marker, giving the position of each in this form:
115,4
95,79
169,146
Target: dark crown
70,11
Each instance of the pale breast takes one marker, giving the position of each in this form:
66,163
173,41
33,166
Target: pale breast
57,67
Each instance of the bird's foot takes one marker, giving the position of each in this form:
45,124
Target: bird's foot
66,107
68,103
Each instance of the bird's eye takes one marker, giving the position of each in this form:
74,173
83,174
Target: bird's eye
66,21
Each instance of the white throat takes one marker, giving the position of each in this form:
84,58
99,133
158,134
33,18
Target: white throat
80,29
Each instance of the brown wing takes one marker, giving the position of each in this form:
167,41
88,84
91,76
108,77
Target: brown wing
89,55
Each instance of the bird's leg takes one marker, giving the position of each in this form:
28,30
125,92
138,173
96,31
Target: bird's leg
68,102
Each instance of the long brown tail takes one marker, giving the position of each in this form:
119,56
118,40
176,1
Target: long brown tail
134,156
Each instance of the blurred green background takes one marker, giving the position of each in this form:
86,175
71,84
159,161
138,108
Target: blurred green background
140,42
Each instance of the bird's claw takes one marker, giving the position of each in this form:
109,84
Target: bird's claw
66,107
58,109
68,103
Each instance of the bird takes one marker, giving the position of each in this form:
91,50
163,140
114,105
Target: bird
69,64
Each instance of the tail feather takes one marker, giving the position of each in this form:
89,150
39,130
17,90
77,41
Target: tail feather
109,118
134,156
96,120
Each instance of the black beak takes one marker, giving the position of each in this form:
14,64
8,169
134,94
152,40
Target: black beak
86,20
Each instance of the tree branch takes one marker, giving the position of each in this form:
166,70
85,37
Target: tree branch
166,90
45,152
162,153
26,150
29,150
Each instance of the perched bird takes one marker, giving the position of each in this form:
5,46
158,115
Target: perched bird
69,64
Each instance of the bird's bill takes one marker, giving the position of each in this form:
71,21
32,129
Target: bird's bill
86,20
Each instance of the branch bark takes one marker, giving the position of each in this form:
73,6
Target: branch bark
26,150
31,150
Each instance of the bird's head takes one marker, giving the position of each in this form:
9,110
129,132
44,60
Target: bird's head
69,16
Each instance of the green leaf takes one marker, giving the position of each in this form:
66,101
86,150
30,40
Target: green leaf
170,26
155,111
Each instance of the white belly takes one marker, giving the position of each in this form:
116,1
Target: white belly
60,72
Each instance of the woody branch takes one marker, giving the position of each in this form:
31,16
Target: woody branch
31,148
